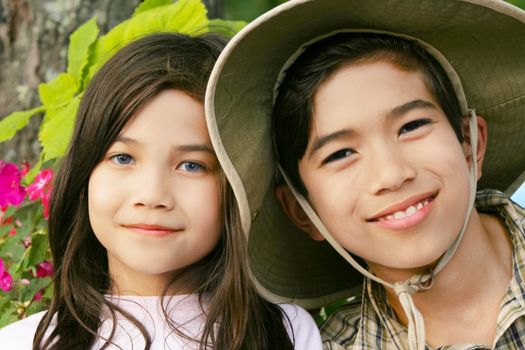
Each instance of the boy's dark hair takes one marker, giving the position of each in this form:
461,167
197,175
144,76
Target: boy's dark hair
236,317
292,114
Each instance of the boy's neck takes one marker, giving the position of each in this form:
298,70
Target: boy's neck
469,290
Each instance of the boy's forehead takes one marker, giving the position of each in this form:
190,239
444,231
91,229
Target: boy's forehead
378,87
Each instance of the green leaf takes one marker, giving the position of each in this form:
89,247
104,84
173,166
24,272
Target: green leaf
58,90
16,121
34,307
78,52
227,28
519,3
56,130
36,252
8,316
12,248
29,291
184,16
30,176
149,4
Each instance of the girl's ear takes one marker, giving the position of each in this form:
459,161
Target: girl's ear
481,144
293,210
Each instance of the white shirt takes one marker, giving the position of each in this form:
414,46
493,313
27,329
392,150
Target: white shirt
185,312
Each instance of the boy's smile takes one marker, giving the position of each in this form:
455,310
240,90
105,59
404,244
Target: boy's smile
407,213
383,167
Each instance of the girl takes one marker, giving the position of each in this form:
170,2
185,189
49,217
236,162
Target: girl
371,106
143,226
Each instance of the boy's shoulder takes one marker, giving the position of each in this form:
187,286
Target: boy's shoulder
301,327
341,328
19,335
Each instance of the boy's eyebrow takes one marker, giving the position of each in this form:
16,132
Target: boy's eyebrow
394,113
184,148
320,142
407,107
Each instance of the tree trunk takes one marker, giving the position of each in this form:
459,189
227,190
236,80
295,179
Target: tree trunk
215,8
34,37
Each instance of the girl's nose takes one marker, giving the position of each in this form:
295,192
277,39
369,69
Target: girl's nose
154,191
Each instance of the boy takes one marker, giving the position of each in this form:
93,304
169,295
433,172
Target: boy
376,134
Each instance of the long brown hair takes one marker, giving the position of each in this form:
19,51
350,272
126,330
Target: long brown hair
236,317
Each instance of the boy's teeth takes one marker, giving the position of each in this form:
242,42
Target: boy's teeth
399,215
408,212
411,210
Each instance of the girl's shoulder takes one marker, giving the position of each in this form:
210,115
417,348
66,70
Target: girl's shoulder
19,335
301,327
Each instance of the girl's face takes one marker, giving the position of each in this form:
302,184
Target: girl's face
383,167
155,199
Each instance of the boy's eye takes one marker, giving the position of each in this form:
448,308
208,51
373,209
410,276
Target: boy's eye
191,167
338,155
122,159
413,125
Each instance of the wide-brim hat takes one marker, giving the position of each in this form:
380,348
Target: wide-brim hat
481,42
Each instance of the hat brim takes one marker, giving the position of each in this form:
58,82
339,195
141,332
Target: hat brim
482,40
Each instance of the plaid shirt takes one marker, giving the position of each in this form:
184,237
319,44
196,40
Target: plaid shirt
356,325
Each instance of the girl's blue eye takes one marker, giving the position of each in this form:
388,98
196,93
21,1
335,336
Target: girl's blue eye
341,154
413,125
192,167
122,159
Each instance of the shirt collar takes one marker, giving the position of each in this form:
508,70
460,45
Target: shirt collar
378,320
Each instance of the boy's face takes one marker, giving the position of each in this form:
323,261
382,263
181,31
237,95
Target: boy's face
383,167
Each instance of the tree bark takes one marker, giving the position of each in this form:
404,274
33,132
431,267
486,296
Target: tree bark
215,8
34,36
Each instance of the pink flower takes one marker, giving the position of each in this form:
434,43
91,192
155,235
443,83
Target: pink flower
41,189
11,193
38,296
6,281
45,204
24,169
27,241
44,269
3,219
41,185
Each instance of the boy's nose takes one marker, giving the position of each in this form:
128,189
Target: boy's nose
390,171
154,191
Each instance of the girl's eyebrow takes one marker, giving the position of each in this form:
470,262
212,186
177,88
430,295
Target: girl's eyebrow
196,148
396,112
128,140
180,148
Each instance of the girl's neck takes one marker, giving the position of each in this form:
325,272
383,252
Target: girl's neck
129,283
469,290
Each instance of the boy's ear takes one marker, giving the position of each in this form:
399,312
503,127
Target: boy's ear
481,144
293,210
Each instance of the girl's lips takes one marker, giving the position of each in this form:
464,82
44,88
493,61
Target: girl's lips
411,217
152,230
